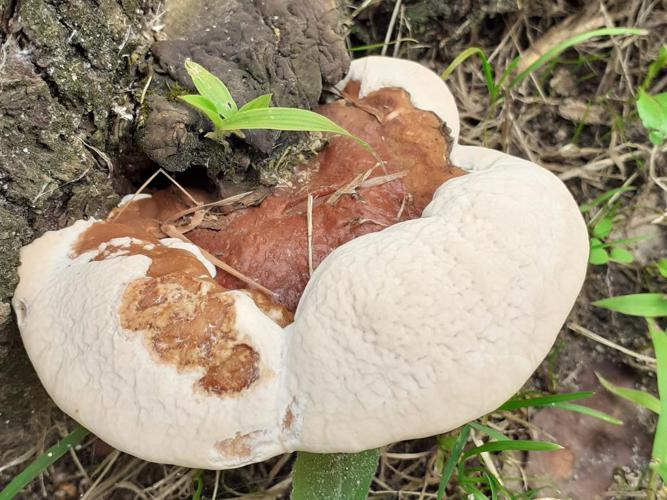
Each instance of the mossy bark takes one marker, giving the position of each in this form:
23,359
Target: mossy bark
63,70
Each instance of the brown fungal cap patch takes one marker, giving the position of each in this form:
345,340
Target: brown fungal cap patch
353,194
240,446
189,322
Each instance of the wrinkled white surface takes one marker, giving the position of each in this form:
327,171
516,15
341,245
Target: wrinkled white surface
433,322
427,90
105,378
403,333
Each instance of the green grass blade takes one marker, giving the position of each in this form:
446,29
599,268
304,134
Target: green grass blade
487,69
659,453
493,487
489,431
651,305
453,459
42,462
211,87
337,476
555,51
198,483
285,119
259,102
508,71
641,398
603,197
204,105
655,67
513,445
516,403
585,410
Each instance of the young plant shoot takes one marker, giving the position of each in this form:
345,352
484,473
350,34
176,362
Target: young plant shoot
216,102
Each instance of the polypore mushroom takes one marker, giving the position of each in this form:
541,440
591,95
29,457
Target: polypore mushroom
404,332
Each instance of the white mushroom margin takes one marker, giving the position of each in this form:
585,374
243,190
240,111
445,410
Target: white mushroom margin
403,333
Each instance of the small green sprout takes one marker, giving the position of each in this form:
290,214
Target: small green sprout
217,104
653,113
603,251
652,109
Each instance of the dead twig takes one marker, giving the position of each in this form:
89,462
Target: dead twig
309,223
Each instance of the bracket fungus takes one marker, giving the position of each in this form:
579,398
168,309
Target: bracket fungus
436,290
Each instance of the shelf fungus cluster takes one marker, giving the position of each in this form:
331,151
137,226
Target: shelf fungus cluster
356,304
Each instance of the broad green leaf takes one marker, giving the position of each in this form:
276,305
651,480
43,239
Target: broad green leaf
659,453
556,50
261,101
603,227
653,113
662,267
450,465
42,462
513,445
585,410
489,431
205,106
211,87
656,137
336,476
641,398
285,119
621,255
516,403
652,305
603,197
598,256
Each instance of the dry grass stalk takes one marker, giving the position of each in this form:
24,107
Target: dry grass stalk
145,185
246,199
309,222
173,232
606,342
362,181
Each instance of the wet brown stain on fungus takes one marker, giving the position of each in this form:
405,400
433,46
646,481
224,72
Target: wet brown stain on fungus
186,318
189,322
237,447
